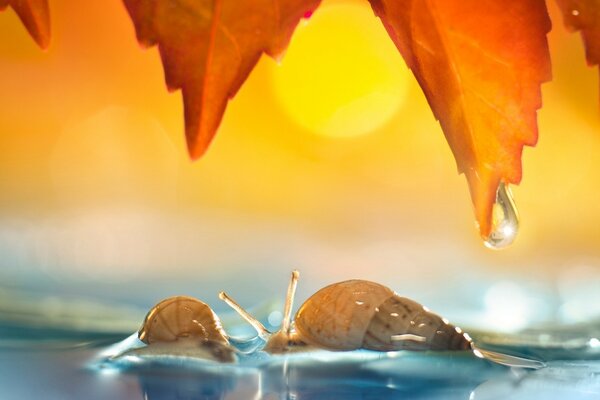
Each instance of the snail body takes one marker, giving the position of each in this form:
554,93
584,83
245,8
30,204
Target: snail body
358,314
186,326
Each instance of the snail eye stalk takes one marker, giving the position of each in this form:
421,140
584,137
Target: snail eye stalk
263,332
286,324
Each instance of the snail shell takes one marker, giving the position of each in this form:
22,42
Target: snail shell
361,314
181,317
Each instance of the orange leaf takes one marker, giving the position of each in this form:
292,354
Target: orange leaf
584,16
480,64
35,15
208,48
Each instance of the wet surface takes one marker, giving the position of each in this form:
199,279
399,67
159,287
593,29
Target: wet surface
75,354
86,367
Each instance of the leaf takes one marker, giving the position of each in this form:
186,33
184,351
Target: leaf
35,15
584,16
209,47
480,64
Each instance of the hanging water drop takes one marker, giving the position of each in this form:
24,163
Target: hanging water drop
505,220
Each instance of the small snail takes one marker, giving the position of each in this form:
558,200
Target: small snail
183,324
358,314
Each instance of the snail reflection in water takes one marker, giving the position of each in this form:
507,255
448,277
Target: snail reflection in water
183,325
359,314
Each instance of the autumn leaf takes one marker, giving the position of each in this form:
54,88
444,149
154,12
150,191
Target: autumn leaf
35,15
480,64
584,16
209,47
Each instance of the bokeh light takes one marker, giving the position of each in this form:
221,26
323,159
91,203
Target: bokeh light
342,76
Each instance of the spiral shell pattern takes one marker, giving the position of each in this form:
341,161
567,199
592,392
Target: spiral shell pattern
361,314
403,324
181,317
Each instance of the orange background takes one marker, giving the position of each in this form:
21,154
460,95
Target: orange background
95,182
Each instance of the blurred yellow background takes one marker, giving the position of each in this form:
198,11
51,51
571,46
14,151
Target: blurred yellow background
330,161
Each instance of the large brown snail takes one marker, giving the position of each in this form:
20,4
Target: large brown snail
185,325
359,314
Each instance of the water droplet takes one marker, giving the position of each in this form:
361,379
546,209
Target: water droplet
505,220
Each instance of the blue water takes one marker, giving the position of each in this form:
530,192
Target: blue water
65,374
68,347
65,364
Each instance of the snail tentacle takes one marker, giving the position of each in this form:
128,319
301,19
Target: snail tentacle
262,332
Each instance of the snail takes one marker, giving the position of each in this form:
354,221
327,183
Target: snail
185,325
359,314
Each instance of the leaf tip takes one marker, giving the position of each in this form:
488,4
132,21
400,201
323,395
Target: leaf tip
199,134
483,187
196,151
35,16
42,39
202,121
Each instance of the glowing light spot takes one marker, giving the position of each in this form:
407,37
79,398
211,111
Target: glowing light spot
133,359
275,318
505,220
478,353
575,13
508,307
393,314
594,343
359,303
408,337
390,384
578,285
341,76
122,156
107,371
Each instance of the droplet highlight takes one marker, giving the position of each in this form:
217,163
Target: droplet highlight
505,220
